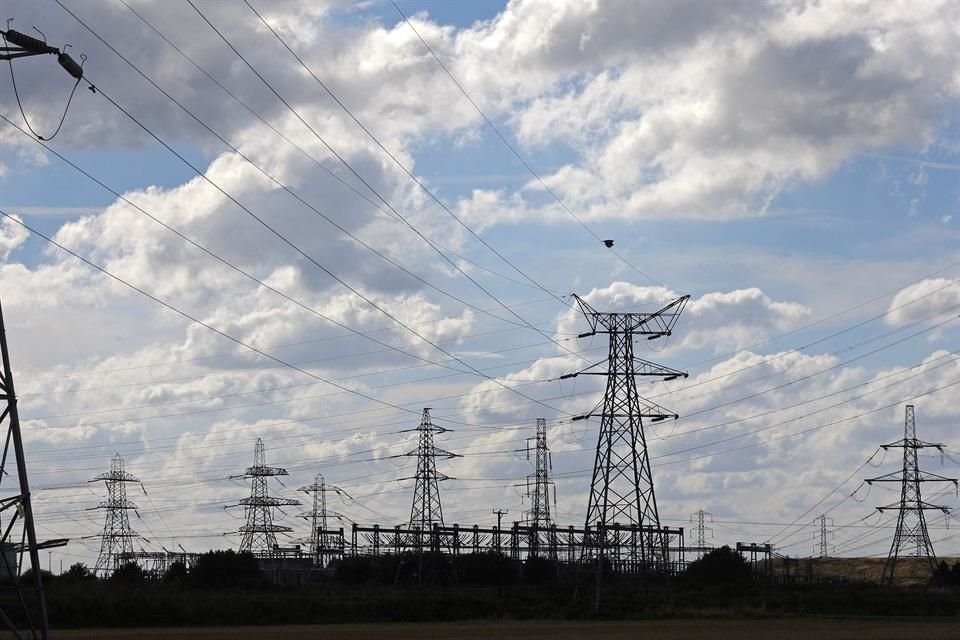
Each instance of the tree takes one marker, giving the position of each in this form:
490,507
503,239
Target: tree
78,572
226,569
720,566
129,573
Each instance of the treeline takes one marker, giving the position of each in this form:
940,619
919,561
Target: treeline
227,588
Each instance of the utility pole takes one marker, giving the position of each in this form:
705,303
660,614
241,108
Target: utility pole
499,513
321,547
116,539
259,535
701,517
824,535
911,539
622,490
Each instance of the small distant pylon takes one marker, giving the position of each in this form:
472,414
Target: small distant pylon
259,535
426,510
823,535
700,518
539,484
323,547
117,536
911,539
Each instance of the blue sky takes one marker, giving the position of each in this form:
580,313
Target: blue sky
791,171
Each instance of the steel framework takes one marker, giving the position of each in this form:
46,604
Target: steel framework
259,535
823,535
426,510
911,539
116,539
18,535
539,483
322,546
701,518
622,490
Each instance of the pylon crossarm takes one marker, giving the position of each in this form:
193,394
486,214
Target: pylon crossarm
663,320
258,470
586,372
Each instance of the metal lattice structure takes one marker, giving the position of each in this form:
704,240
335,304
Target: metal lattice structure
26,609
323,545
911,541
824,535
539,483
259,535
700,518
426,510
622,489
116,539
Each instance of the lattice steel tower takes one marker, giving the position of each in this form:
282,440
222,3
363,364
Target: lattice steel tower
823,535
911,539
117,537
323,545
22,605
539,484
700,518
259,535
621,491
426,509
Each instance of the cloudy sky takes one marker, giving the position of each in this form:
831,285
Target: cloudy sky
312,250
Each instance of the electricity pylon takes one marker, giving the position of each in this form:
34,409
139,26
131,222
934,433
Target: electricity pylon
911,539
823,535
426,508
19,535
117,536
622,491
259,535
700,518
539,484
322,547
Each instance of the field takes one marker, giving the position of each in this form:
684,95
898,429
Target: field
780,629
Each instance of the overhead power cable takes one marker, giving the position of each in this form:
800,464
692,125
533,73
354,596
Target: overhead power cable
378,206
266,225
606,242
373,190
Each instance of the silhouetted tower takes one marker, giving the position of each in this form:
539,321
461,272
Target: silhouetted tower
823,535
539,484
426,509
117,536
621,491
323,545
18,533
259,535
700,518
911,539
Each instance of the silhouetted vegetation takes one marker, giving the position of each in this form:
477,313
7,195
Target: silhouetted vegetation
722,566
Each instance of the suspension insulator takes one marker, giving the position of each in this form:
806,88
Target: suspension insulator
70,65
29,43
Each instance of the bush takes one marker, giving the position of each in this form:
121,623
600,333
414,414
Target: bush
226,569
720,566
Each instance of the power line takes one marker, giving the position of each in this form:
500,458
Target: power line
513,150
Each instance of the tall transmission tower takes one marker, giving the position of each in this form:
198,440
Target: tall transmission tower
700,518
622,490
823,535
322,543
911,539
426,509
117,536
259,535
19,535
539,484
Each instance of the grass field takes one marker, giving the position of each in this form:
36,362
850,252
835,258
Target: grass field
780,629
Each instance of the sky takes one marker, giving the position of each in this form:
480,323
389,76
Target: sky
307,235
